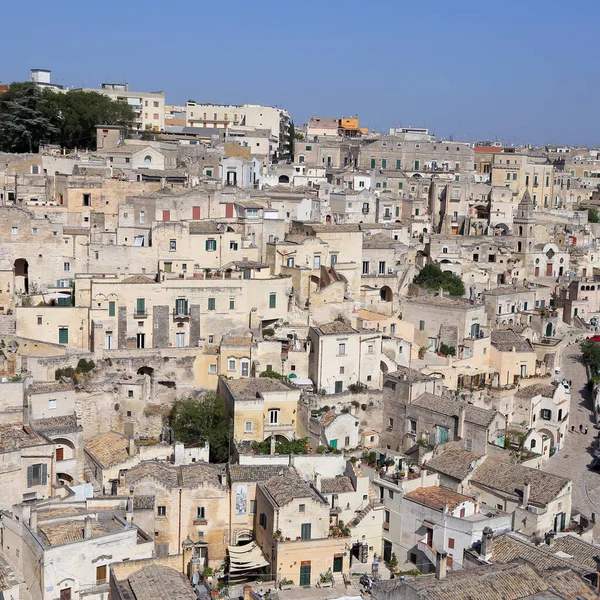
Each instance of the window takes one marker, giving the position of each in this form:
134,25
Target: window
317,261
386,516
383,163
211,304
339,387
290,261
342,370
347,441
390,494
140,340
233,245
274,416
65,594
305,531
111,308
245,368
162,511
231,304
200,513
172,245
34,231
37,474
421,325
140,307
372,163
449,562
393,328
308,148
40,320
390,423
231,364
342,349
14,230
51,404
130,393
212,369
211,245
302,508
546,414
168,267
63,335
181,307
252,507
273,300
100,574
248,427
382,267
412,426
462,513
262,520
370,349
66,266
87,200
365,267
468,444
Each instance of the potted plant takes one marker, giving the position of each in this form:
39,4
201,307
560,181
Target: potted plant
326,579
277,535
286,584
422,351
402,474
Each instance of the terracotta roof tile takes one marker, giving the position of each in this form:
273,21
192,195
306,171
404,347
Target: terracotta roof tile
454,462
108,448
437,497
285,489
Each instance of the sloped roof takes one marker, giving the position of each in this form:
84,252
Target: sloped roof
437,497
451,408
108,448
336,485
334,328
378,240
505,340
258,472
137,279
509,479
534,390
285,489
171,476
249,388
454,462
197,227
157,582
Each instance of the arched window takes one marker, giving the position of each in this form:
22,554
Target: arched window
35,169
148,159
532,444
520,229
519,245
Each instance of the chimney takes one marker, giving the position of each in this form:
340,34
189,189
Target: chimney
550,538
247,590
487,544
461,421
597,559
526,493
318,481
129,509
33,518
440,565
87,528
423,475
131,448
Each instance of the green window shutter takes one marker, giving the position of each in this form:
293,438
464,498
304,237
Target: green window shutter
372,163
400,185
384,184
211,304
44,473
141,306
384,163
232,305
63,335
273,300
398,164
508,176
207,245
186,307
111,308
547,180
397,211
417,165
209,172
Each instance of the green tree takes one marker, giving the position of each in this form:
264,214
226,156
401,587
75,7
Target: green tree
202,419
433,278
27,118
272,375
593,215
591,355
290,140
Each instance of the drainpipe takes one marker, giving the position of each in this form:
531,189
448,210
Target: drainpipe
179,528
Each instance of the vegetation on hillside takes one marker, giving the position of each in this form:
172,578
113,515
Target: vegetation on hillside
434,278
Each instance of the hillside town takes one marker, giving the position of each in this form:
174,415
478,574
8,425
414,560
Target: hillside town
244,357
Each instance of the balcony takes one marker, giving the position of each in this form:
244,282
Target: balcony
276,427
140,314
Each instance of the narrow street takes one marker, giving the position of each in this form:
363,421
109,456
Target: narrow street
576,453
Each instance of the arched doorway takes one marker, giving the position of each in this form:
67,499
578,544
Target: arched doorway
21,269
148,373
328,220
549,330
386,294
284,179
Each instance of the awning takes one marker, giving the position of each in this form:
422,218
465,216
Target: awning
242,558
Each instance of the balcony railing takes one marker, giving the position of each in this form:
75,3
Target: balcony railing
140,314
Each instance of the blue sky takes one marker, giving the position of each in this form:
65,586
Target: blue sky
519,70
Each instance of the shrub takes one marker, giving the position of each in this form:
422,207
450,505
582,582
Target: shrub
363,407
356,404
447,350
321,449
268,331
85,366
272,375
434,278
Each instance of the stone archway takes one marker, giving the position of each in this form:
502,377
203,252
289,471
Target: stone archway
21,270
386,294
283,179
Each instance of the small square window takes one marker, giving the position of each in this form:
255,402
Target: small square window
51,404
212,369
302,508
14,230
162,511
34,231
128,413
40,320
130,393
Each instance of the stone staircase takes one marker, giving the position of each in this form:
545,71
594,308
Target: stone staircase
8,325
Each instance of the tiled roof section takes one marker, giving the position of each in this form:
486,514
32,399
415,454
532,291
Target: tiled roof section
72,531
249,388
137,279
489,582
258,472
295,239
237,340
534,390
437,497
379,240
583,552
369,315
7,578
507,340
13,437
454,462
567,584
504,290
318,228
335,328
197,227
510,548
188,476
249,264
125,149
336,485
108,448
143,502
408,374
60,511
57,425
49,387
509,479
452,302
285,489
157,582
446,406
327,418
210,349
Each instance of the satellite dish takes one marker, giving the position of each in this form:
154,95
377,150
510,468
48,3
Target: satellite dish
195,578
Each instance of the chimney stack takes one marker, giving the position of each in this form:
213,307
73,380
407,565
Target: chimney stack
87,528
461,421
129,508
487,544
526,493
318,481
597,559
131,448
423,475
33,519
550,538
247,590
440,565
